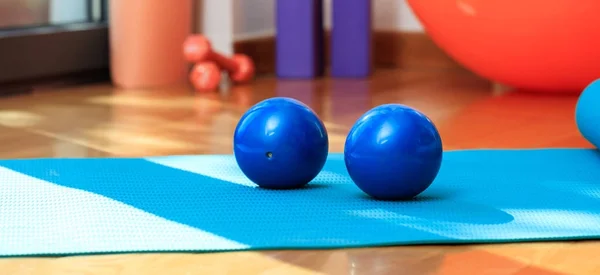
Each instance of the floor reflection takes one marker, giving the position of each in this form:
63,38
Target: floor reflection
306,91
347,97
514,120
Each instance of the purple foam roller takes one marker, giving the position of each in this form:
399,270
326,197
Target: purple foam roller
299,38
351,38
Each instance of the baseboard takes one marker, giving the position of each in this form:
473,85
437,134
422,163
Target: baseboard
411,50
53,82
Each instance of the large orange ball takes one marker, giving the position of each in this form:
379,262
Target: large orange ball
535,45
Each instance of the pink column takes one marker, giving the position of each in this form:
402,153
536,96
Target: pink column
146,38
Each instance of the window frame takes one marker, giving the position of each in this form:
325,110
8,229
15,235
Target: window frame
67,49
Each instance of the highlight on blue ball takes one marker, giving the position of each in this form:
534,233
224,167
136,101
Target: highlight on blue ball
280,143
393,152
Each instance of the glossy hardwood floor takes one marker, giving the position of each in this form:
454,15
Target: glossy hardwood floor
101,121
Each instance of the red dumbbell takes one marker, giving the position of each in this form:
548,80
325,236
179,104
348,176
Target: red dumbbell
205,76
197,48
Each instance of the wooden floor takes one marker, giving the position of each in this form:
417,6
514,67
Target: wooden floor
99,120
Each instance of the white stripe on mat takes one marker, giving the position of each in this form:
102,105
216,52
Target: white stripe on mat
39,217
225,168
221,167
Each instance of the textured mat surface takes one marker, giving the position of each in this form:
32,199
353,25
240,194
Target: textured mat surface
204,203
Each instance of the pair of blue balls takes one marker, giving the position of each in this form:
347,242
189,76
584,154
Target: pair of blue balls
393,152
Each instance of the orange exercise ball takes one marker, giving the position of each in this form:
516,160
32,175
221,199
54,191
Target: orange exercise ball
534,45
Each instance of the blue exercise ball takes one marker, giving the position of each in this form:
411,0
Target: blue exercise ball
280,143
393,152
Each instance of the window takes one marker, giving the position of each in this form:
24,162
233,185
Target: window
52,38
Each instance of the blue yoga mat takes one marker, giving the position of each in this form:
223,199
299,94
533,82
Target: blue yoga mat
205,204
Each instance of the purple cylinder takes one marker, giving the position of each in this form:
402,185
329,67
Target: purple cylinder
351,38
299,38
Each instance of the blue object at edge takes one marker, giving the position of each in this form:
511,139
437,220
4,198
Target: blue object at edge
587,113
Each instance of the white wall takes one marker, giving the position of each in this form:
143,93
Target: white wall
253,18
256,18
216,21
227,21
394,15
